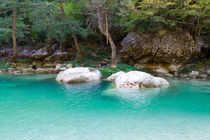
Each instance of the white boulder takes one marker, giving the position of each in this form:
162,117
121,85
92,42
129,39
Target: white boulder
136,79
114,76
79,74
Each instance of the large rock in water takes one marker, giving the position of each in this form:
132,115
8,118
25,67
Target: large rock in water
40,54
168,50
136,79
79,74
58,55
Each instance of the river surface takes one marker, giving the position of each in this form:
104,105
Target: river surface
36,107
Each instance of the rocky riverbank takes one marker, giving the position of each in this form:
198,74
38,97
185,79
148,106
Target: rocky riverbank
190,71
48,68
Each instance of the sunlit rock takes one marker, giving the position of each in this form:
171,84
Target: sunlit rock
41,71
169,49
136,79
114,76
79,74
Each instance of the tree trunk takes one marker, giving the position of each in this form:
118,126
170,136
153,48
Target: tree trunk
106,33
79,52
49,49
197,36
63,14
61,47
114,53
15,52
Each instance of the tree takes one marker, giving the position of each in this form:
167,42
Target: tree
54,25
79,52
15,52
12,26
102,11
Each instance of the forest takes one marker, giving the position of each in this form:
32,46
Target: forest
73,25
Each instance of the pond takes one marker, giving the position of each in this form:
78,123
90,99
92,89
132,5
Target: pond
36,107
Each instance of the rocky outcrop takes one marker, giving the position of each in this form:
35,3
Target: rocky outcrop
137,79
5,52
79,74
167,50
22,52
40,54
58,55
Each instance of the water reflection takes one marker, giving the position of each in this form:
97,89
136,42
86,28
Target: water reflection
137,98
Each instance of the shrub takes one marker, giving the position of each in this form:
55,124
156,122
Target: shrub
4,65
107,71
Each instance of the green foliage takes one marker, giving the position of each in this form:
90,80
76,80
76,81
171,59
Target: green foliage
51,25
107,71
146,15
6,17
26,60
4,65
208,63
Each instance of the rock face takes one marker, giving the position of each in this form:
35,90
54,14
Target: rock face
79,74
40,54
165,49
57,55
136,79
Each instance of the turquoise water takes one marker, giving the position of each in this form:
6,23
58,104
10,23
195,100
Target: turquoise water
38,108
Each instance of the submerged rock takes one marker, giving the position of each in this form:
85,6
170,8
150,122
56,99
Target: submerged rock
27,70
17,72
79,74
136,79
